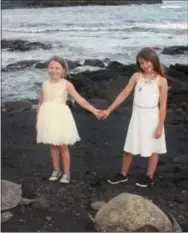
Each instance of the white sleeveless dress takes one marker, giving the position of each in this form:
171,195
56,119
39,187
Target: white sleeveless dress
144,120
56,125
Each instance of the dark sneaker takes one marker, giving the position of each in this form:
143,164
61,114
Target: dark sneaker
144,182
118,178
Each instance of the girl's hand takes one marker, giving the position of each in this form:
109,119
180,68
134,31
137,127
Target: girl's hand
97,113
105,114
158,132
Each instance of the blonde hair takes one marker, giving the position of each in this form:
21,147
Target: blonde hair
63,63
149,54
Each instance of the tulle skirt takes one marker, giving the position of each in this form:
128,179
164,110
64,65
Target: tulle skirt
56,125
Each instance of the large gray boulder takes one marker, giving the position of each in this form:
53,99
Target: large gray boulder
11,196
129,213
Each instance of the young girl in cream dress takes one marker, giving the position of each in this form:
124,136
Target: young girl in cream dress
55,124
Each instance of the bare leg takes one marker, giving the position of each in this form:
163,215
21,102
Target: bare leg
126,163
55,157
152,165
66,158
122,176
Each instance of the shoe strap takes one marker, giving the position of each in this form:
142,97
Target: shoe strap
66,176
55,173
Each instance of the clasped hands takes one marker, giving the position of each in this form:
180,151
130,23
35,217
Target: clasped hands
101,114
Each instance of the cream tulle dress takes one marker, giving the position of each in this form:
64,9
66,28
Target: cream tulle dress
55,124
144,120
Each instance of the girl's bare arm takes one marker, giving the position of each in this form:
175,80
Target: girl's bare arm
40,101
125,93
79,99
163,101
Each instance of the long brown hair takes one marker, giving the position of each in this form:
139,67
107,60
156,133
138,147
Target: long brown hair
149,54
62,62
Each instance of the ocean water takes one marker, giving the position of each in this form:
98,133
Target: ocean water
77,33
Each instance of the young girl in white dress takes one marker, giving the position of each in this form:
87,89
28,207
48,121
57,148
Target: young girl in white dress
55,124
146,134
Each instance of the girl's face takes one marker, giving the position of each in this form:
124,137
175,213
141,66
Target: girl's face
146,66
55,70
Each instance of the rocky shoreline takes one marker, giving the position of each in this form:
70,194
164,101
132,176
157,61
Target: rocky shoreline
24,45
96,156
9,4
103,85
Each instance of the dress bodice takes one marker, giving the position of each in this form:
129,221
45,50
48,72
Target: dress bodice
55,92
147,92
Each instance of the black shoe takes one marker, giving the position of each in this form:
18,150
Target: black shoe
118,178
144,182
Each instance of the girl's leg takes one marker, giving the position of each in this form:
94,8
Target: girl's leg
126,163
55,157
147,180
152,165
122,176
66,158
55,162
66,164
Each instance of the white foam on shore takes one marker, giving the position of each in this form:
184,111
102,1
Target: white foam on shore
86,68
104,28
171,6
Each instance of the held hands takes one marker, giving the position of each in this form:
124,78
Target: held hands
101,114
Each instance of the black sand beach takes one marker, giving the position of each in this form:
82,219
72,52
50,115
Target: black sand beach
93,160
